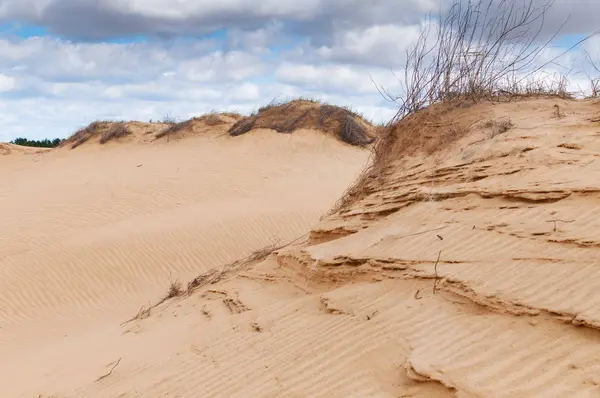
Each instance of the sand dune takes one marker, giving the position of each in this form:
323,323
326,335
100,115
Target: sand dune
92,234
461,265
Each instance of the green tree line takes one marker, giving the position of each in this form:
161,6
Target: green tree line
46,143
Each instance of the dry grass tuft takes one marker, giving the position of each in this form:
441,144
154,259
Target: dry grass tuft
354,133
212,119
233,115
175,290
212,276
242,126
209,120
498,126
107,131
83,135
288,117
176,128
215,274
557,112
115,130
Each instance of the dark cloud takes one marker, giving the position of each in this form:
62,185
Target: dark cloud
317,19
107,19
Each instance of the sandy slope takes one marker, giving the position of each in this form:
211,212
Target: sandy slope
89,235
468,273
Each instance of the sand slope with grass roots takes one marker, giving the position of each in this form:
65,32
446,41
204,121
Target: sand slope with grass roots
461,264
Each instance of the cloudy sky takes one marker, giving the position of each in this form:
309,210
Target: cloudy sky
65,63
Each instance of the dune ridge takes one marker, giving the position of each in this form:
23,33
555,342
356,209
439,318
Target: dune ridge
285,117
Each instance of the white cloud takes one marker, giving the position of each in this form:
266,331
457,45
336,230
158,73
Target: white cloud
221,66
348,79
7,83
376,45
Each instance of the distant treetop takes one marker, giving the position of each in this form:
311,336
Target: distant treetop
46,143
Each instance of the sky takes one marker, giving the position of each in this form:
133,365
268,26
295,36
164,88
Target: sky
66,63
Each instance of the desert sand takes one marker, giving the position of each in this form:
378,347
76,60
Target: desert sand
461,264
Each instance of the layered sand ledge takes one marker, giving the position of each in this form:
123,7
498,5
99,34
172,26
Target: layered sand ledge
468,270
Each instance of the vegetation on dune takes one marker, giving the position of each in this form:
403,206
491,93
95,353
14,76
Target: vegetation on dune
481,50
115,130
286,117
46,143
175,128
82,135
210,120
105,129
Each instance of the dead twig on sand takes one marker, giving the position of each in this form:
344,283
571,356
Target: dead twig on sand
436,273
144,312
409,235
564,221
557,111
110,371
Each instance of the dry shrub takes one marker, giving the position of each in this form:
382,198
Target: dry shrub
308,114
175,128
233,115
242,126
353,133
210,120
557,112
287,104
594,87
478,49
105,129
175,290
168,119
83,135
115,130
543,85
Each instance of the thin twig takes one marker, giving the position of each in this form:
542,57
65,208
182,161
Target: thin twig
110,371
555,221
409,235
435,270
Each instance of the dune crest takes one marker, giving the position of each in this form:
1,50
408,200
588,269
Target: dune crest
7,149
288,117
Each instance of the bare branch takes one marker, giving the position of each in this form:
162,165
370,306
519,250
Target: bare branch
477,49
